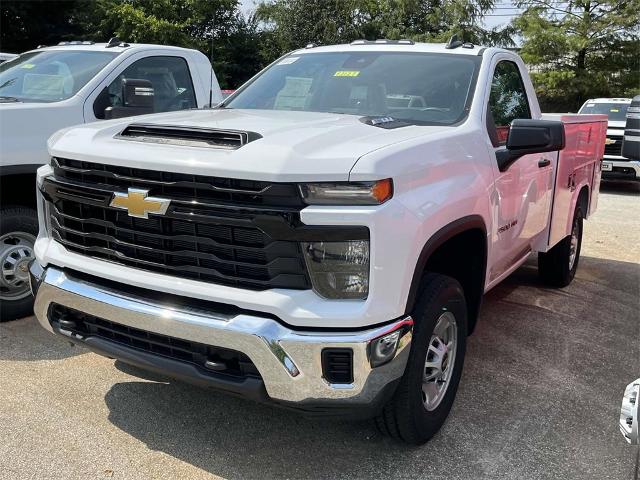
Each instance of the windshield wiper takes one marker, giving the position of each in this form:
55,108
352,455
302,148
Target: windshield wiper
8,99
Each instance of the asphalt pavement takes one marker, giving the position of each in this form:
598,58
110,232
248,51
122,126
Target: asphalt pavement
539,399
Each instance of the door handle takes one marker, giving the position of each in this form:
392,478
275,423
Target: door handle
544,162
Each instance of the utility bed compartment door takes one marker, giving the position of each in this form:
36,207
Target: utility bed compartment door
578,165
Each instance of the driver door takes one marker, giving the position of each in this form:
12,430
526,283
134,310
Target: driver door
522,190
169,76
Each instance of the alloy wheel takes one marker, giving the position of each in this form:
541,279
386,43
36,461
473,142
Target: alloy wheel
16,252
440,360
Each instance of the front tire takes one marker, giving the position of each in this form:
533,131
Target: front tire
428,387
18,232
558,266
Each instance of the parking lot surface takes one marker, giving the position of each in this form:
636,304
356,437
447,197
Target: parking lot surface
539,398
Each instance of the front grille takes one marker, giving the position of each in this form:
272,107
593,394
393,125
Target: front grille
181,186
229,362
209,232
614,149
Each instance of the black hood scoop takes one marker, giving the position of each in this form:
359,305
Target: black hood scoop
187,136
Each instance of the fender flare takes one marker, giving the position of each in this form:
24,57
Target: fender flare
574,203
447,232
576,198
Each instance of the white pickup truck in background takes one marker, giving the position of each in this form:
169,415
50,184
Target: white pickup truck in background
615,166
47,89
323,239
7,56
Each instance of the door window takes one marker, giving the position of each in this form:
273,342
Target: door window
508,101
169,76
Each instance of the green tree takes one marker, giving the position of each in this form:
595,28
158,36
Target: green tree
291,24
199,24
186,23
580,49
25,25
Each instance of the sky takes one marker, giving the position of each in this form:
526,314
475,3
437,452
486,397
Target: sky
502,14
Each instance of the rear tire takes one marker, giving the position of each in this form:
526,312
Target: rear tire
558,266
18,232
426,392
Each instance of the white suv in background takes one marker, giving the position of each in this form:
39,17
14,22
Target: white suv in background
614,165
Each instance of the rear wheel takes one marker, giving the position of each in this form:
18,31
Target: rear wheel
428,387
558,266
18,231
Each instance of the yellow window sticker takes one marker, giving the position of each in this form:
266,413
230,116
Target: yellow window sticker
27,65
347,73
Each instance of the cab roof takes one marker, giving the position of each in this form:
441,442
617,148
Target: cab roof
93,47
609,100
397,46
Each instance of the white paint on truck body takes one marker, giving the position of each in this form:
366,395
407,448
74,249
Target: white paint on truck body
26,126
440,174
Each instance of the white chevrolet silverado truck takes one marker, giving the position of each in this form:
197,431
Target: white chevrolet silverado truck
322,240
615,165
50,88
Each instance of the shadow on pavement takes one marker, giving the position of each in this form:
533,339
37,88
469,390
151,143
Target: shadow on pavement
616,275
235,438
620,187
25,340
539,397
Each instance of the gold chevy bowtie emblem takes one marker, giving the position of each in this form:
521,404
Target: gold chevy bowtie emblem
137,204
609,141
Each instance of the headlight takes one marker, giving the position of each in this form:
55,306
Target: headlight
347,193
338,270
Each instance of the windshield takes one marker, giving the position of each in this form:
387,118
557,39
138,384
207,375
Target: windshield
50,75
419,88
615,111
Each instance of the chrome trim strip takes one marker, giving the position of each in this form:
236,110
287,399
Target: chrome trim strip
289,361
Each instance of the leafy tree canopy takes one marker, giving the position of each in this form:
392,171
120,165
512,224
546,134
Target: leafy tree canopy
199,24
25,25
581,49
578,48
294,23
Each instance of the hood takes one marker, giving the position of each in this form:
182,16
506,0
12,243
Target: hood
25,127
292,146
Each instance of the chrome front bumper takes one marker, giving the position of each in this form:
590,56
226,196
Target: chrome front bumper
289,361
626,164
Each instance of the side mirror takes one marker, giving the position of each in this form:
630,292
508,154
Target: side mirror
137,99
530,136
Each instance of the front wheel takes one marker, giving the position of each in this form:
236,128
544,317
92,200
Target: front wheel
558,266
428,387
18,231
